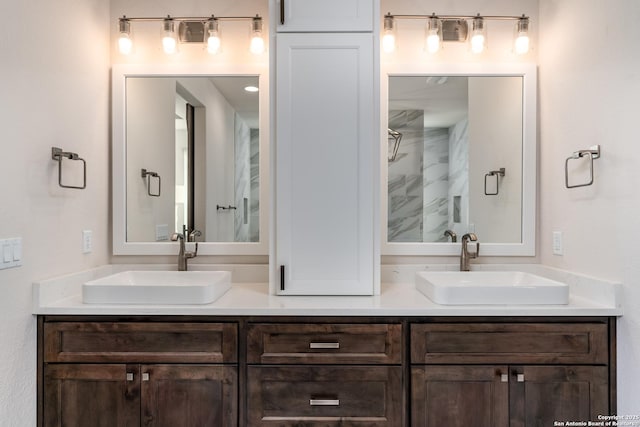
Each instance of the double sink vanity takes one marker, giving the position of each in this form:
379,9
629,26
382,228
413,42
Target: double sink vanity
329,332
119,344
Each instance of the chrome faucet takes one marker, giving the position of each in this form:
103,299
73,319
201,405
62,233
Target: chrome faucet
465,255
452,234
184,255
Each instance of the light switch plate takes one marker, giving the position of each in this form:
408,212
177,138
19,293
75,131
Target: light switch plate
557,243
87,241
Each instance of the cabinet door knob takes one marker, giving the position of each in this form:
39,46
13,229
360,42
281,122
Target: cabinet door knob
324,402
129,376
324,345
504,378
145,376
520,378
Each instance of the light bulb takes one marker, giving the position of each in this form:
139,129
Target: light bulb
125,44
388,35
433,40
169,38
478,39
213,40
521,44
257,42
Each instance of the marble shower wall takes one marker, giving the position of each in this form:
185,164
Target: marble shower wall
429,173
435,183
242,180
459,177
254,194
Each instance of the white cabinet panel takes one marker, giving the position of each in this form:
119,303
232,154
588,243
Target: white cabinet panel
325,163
325,15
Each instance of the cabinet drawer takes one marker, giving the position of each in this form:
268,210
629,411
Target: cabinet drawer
581,343
325,343
140,342
326,396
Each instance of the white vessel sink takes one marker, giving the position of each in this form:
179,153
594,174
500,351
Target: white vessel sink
490,287
157,287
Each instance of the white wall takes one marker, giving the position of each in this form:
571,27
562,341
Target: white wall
589,92
151,112
495,130
55,91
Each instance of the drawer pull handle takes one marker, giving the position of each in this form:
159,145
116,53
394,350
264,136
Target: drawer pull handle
324,402
520,378
145,376
324,345
129,376
504,378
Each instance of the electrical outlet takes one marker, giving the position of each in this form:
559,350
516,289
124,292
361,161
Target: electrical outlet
87,241
557,243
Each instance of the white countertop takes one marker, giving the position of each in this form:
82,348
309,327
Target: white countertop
398,297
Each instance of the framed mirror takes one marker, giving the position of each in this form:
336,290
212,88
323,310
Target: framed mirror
459,157
190,154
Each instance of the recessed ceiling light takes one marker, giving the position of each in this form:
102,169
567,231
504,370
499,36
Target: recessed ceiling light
251,89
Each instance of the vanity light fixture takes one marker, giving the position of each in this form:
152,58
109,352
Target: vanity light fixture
251,89
213,36
389,34
257,42
433,40
478,36
454,28
169,37
125,44
521,44
204,30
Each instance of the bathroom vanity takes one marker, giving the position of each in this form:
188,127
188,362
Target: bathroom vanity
254,359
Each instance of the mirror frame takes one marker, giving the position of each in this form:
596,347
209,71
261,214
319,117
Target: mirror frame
118,90
527,247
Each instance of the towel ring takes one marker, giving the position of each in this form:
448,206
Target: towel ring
593,153
57,154
499,172
148,174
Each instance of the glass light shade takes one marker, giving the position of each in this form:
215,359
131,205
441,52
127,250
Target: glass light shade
125,44
213,39
521,43
389,43
169,37
389,35
433,41
478,38
257,42
213,43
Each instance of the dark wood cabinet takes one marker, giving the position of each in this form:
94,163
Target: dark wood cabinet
459,396
78,395
324,396
324,371
127,388
541,395
325,374
477,374
174,395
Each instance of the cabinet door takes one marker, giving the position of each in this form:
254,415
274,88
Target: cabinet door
325,15
189,395
91,396
541,395
326,161
459,396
